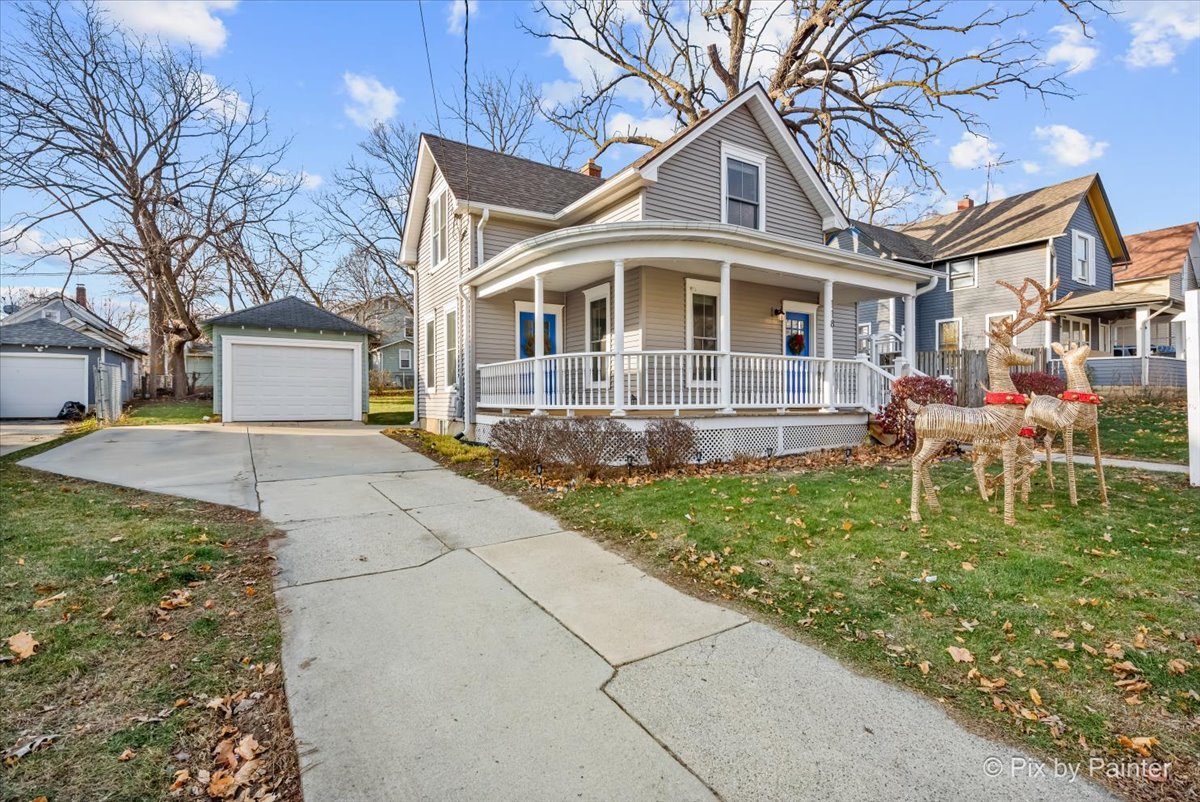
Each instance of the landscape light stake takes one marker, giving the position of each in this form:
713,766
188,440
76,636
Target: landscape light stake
538,470
629,464
495,467
770,452
699,459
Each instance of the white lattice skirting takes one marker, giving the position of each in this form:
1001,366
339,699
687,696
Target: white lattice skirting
723,438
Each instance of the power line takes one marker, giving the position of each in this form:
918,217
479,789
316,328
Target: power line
466,84
429,65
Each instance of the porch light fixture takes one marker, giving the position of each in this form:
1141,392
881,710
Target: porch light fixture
778,314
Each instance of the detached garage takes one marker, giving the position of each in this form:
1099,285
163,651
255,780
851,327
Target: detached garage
288,360
43,365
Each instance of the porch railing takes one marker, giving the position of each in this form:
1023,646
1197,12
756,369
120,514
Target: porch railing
671,380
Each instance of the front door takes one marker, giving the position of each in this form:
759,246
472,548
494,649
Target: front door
797,342
527,348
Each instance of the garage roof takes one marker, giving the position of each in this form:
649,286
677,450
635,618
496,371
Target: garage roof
45,332
288,313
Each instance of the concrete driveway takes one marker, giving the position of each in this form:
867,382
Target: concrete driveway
442,641
16,435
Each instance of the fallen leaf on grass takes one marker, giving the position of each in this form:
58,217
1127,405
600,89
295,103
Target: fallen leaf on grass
247,771
49,600
1178,666
25,745
127,755
960,654
1142,745
223,752
968,567
247,748
222,785
22,645
924,666
1035,696
1062,665
181,778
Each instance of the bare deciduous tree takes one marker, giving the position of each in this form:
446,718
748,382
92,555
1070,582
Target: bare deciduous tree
150,163
841,72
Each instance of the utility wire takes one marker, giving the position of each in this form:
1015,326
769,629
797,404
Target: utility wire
429,65
466,84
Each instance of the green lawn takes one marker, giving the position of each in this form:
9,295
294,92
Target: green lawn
391,410
146,609
157,413
1150,430
1072,619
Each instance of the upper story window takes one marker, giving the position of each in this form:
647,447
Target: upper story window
439,221
1083,257
961,274
743,187
52,314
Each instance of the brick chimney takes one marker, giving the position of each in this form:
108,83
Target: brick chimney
591,169
81,295
965,203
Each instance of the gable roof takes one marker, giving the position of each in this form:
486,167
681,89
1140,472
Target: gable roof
554,195
1036,215
484,176
896,243
41,331
1157,253
288,313
1118,298
74,309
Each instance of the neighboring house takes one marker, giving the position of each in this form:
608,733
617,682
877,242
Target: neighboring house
35,341
695,281
392,353
288,360
198,364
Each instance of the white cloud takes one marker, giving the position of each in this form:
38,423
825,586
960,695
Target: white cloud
371,101
193,21
226,104
1161,31
659,127
457,12
972,150
1073,49
310,181
1031,167
1067,146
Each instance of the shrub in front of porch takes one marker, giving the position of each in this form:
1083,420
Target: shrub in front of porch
524,442
897,419
670,443
589,445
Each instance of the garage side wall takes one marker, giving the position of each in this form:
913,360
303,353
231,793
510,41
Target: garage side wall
284,334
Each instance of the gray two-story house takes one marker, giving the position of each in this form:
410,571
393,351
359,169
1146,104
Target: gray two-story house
392,350
696,281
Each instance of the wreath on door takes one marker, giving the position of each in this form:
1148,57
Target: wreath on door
528,345
795,344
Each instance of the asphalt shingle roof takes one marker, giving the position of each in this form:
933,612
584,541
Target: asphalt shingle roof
41,331
1039,214
897,243
288,313
482,176
1156,253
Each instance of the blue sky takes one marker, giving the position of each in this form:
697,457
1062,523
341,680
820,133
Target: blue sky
326,69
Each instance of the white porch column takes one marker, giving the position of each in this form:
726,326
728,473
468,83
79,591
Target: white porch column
539,346
618,334
468,348
1191,346
827,343
910,329
724,343
1141,332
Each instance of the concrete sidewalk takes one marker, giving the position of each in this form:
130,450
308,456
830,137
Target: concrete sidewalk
444,642
16,435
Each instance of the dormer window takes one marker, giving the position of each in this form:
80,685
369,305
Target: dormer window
743,187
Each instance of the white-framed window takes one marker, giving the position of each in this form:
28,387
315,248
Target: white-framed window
1105,338
949,334
962,274
51,314
1073,330
1083,257
703,326
430,346
864,338
405,358
743,187
439,222
597,324
450,338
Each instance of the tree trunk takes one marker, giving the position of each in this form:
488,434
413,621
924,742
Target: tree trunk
179,378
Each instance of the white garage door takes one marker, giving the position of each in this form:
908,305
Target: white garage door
36,386
291,382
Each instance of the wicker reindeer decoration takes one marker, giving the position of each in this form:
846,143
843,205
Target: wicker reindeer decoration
1001,418
1077,408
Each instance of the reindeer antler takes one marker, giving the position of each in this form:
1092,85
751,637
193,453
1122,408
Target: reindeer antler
1028,315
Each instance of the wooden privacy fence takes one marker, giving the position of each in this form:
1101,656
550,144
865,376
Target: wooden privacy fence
967,369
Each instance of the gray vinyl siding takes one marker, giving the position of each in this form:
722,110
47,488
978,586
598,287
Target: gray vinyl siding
501,234
974,304
623,211
689,183
1127,372
576,313
1177,287
1081,220
219,332
387,358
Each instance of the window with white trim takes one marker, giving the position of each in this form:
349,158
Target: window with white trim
1083,257
450,332
961,274
441,228
743,187
430,346
1105,338
995,317
405,358
51,314
597,327
703,303
1072,330
864,338
949,334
